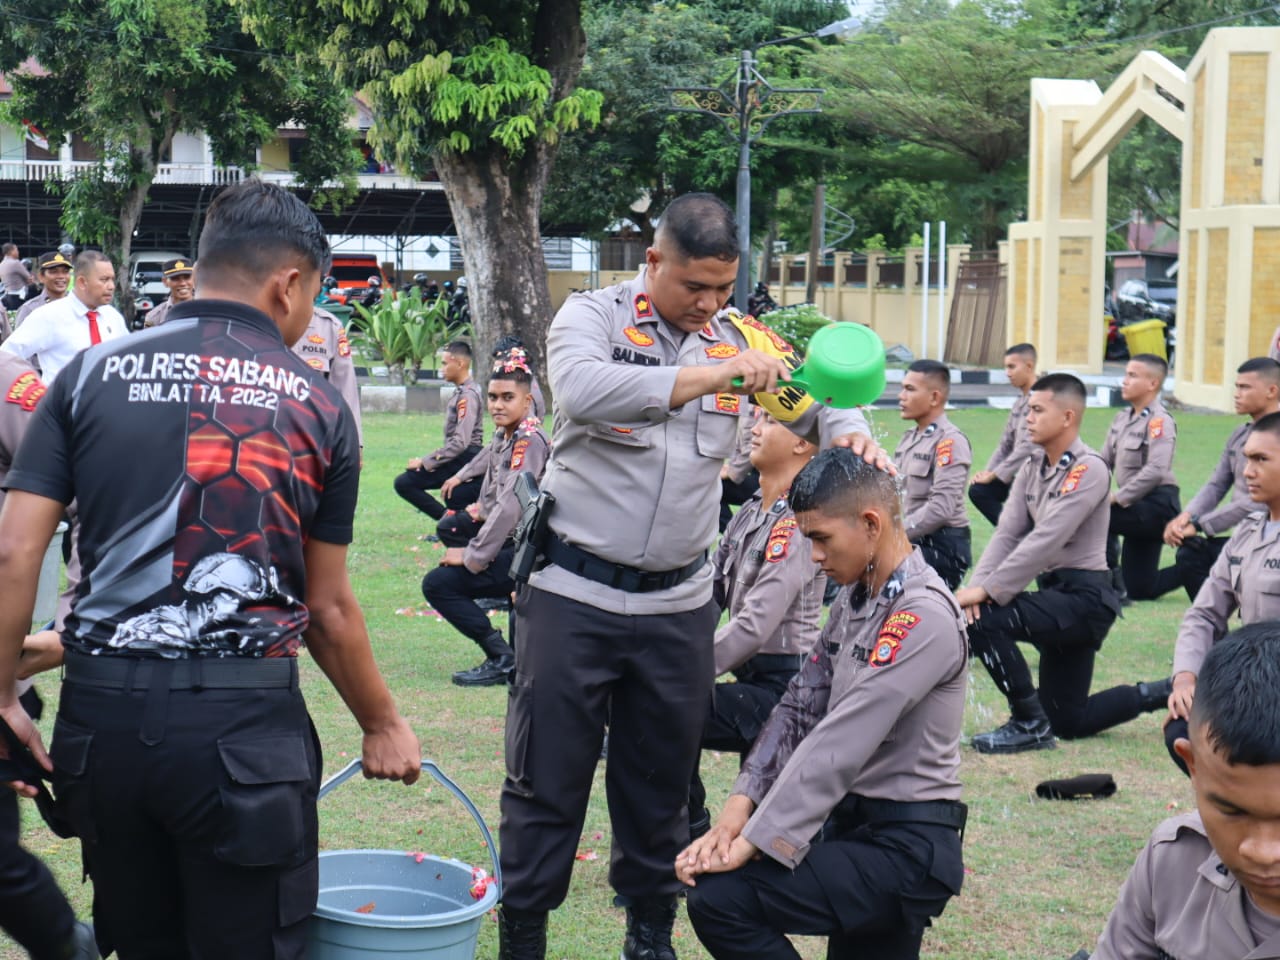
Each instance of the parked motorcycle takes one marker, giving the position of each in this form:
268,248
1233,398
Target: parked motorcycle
760,302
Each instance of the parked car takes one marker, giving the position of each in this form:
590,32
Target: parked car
1147,299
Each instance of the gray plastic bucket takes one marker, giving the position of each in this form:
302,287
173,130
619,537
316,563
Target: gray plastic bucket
422,908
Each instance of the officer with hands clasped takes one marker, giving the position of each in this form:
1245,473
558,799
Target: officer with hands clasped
1139,451
990,487
617,625
935,457
1053,530
1244,580
1205,885
182,754
867,735
766,580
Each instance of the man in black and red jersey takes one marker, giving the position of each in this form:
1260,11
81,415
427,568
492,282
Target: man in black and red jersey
182,754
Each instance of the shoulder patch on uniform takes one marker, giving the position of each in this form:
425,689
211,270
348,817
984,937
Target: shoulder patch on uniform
780,540
893,632
1156,429
728,402
344,345
517,453
638,336
462,407
26,391
942,454
1072,479
722,351
316,338
315,363
644,306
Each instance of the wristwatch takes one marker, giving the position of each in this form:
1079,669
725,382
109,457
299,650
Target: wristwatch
1195,522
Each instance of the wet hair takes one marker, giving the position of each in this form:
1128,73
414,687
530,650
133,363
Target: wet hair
1065,387
838,482
1264,367
938,375
1237,702
1158,365
1268,424
1022,350
459,348
254,228
85,260
699,226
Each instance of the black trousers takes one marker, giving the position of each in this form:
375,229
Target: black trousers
452,591
949,552
1141,524
413,485
1067,625
1191,566
736,494
577,667
33,910
989,498
457,529
871,892
196,812
738,714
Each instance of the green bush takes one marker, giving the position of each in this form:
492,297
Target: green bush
797,324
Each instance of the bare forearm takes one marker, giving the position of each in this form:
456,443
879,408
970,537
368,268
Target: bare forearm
693,382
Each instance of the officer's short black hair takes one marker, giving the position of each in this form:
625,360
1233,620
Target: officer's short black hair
1264,367
699,226
459,348
838,482
504,345
1156,364
937,374
85,260
1237,703
1064,387
1267,424
253,228
513,366
1022,350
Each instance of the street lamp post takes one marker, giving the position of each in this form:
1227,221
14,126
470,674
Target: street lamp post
747,106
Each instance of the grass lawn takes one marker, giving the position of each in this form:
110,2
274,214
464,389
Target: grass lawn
1041,875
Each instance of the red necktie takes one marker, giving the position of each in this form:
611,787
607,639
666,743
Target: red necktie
94,335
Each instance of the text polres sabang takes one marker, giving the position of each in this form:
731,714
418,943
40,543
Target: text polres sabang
207,374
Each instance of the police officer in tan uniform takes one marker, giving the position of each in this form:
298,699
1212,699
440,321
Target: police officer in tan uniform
179,279
1139,451
1257,393
1205,885
463,440
1244,580
326,348
990,487
935,458
54,271
766,580
478,563
867,734
1053,530
618,624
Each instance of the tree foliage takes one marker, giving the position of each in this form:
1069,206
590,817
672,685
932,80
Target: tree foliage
128,75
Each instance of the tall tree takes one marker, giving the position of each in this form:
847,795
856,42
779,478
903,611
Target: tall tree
478,90
128,76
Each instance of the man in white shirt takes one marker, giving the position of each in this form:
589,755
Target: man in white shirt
56,332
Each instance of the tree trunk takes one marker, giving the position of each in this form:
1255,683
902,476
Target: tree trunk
816,223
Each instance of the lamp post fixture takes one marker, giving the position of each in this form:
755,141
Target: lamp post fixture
747,104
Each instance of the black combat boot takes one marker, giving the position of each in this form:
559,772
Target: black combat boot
1027,729
649,921
1154,695
500,662
522,934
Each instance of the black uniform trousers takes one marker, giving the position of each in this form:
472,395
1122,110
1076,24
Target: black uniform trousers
33,910
948,550
989,498
1191,566
577,668
196,812
871,891
457,529
452,591
736,493
739,711
1066,620
1142,525
413,485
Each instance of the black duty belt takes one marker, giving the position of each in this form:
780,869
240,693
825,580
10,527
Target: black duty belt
1067,576
617,575
774,663
854,809
191,673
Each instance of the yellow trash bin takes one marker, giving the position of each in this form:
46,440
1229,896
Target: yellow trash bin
1145,337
